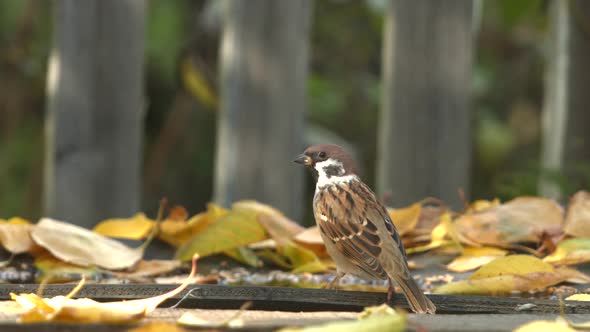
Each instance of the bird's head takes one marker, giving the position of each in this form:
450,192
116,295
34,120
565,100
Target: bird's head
328,161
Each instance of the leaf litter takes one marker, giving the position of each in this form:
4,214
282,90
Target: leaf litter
484,236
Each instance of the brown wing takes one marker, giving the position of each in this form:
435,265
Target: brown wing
346,214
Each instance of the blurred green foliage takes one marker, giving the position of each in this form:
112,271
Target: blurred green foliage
344,96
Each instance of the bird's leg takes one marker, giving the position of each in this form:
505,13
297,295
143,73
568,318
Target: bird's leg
332,284
390,291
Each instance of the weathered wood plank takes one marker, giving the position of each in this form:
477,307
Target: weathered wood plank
260,127
300,299
425,120
95,110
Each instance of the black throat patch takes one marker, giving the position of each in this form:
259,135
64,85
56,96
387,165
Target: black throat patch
333,170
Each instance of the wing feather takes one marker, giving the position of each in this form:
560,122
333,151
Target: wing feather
351,226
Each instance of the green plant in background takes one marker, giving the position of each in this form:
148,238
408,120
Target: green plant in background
343,96
20,170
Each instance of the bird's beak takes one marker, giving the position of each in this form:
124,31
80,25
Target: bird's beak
303,160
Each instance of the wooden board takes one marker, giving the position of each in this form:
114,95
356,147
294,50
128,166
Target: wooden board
300,299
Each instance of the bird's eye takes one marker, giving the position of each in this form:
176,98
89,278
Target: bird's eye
322,155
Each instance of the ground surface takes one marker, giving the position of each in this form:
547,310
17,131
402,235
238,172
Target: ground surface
269,320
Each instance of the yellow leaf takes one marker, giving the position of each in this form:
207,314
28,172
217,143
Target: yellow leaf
578,215
66,309
158,327
312,239
311,267
302,260
15,221
373,319
52,269
276,258
405,219
514,264
244,256
80,246
443,234
278,226
135,228
197,84
481,205
545,326
579,297
571,251
512,273
474,257
237,228
178,232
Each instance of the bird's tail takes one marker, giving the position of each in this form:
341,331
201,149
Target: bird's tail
419,303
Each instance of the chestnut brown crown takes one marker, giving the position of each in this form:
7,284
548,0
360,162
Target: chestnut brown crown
322,152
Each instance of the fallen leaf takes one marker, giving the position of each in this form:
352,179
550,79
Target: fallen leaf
237,228
80,246
264,244
481,205
511,273
296,258
55,270
178,232
276,258
16,237
405,219
474,257
278,226
137,227
442,235
372,319
15,221
545,326
312,240
578,297
148,269
577,220
245,256
177,212
571,251
235,321
523,219
158,327
11,308
429,216
66,309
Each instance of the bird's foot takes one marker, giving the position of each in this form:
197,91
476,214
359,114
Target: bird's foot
390,292
332,284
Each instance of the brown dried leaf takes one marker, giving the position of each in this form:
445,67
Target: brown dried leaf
577,220
149,268
16,237
522,219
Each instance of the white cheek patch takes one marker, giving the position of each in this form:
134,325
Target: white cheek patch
328,163
324,180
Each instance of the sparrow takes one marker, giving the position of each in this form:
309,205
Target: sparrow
358,233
